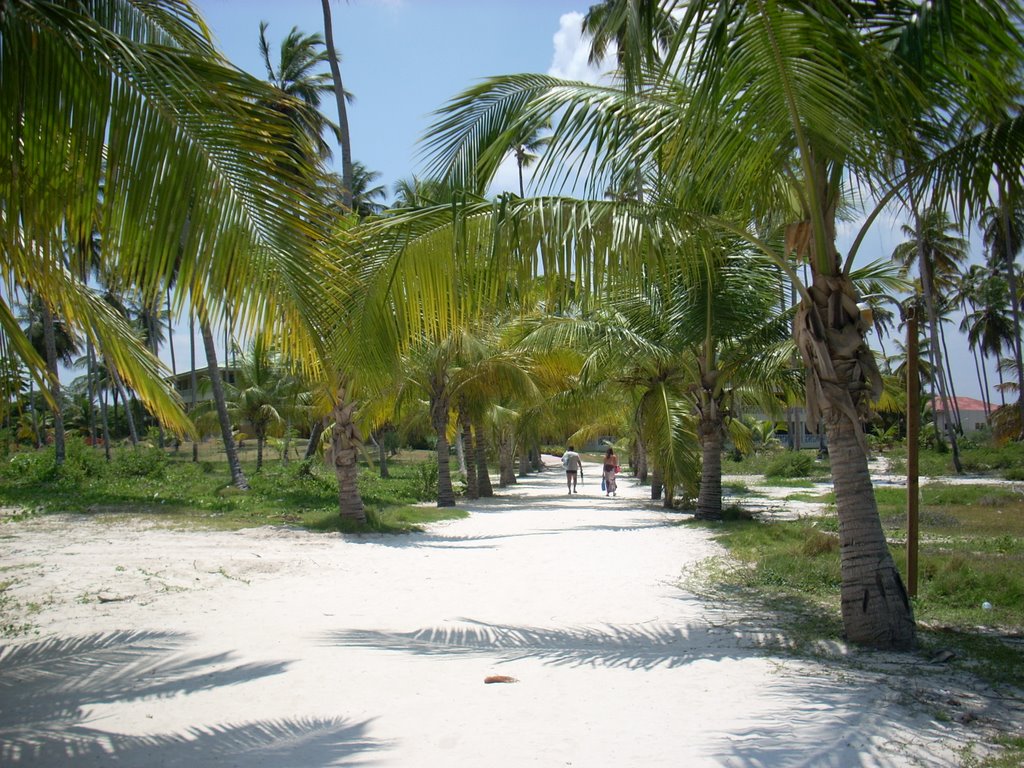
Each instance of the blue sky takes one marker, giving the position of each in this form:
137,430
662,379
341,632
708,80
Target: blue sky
404,59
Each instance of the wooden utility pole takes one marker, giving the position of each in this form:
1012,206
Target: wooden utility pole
913,429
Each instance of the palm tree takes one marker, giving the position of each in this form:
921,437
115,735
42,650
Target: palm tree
525,149
740,113
1003,227
258,395
295,75
642,31
938,254
132,98
344,137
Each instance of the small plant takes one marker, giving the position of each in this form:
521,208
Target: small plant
790,464
142,462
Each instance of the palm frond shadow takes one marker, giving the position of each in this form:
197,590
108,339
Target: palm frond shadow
46,689
643,646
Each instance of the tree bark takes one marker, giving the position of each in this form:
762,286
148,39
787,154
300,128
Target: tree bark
935,351
709,499
234,465
506,473
483,475
472,483
133,432
841,379
193,378
1010,248
346,442
339,97
875,608
439,408
315,433
50,342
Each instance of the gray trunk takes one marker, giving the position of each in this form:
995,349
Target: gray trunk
50,341
217,386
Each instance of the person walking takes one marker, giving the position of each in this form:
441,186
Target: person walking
609,470
573,467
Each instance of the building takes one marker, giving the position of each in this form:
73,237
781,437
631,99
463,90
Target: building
973,413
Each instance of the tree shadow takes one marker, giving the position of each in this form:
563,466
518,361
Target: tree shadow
640,646
47,689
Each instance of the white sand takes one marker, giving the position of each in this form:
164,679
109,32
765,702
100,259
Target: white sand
278,647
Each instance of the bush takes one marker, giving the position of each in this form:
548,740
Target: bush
790,464
141,462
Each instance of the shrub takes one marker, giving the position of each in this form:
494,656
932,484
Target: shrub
142,462
790,464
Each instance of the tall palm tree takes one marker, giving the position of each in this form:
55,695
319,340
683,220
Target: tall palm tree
742,114
296,75
987,320
938,252
525,150
1003,231
132,98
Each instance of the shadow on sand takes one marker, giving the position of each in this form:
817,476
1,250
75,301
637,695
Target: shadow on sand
48,687
633,647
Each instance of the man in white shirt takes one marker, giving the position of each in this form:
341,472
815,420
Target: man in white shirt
573,466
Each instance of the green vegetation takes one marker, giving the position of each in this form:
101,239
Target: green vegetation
780,465
1005,461
971,552
169,489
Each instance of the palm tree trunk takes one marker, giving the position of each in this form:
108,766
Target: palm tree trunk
314,438
50,340
90,381
194,379
472,484
37,438
524,459
260,441
657,484
460,452
506,474
709,499
483,475
382,457
133,433
217,386
346,442
949,378
105,420
875,608
1008,260
841,378
439,407
935,350
339,97
642,469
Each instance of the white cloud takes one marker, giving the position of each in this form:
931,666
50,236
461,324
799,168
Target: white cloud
572,50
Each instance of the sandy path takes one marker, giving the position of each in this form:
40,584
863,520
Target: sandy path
276,647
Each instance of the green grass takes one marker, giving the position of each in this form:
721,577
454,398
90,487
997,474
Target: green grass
969,553
169,489
987,459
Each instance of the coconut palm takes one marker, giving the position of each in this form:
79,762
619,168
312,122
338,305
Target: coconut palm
258,397
742,114
1003,231
938,252
526,148
132,98
295,75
